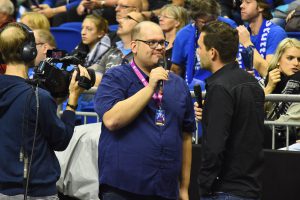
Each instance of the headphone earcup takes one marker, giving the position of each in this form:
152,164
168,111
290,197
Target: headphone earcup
28,51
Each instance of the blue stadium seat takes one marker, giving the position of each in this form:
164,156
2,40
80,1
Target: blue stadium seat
113,27
66,38
74,25
293,35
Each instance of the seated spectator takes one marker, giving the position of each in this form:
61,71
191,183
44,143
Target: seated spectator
284,78
171,19
95,43
109,8
121,52
184,60
231,9
6,16
6,12
103,8
262,36
293,20
44,41
281,12
152,8
35,20
59,11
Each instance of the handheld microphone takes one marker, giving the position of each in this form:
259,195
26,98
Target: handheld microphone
198,94
161,62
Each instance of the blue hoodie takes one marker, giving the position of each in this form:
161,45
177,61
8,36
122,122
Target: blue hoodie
17,115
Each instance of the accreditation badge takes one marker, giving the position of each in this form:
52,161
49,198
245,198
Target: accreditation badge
160,117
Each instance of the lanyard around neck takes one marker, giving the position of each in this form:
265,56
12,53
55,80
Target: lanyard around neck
157,96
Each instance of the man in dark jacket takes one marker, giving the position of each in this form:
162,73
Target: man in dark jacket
30,130
233,117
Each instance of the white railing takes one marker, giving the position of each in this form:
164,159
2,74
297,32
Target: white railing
270,97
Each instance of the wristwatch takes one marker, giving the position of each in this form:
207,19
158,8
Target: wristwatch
250,46
72,106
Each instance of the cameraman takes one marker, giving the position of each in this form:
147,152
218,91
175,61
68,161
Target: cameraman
30,130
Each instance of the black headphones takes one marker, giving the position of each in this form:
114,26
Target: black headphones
28,50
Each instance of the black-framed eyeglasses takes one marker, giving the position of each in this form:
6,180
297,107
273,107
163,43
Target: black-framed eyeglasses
124,6
129,17
154,43
40,43
165,16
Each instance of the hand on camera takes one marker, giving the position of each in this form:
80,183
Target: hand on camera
74,88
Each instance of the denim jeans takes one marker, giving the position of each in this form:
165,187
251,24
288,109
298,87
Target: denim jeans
224,196
112,196
110,193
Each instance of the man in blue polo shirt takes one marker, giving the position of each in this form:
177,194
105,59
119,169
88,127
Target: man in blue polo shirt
145,143
185,61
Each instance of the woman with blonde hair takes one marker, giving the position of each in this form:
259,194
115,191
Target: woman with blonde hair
284,64
284,78
35,20
171,19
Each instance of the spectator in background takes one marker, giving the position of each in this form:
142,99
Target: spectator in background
59,11
284,78
158,4
35,20
121,52
104,8
6,12
171,19
231,9
262,36
44,41
232,120
152,8
185,62
95,42
281,12
6,16
293,20
121,8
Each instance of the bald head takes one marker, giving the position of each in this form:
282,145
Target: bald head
143,28
136,3
126,6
